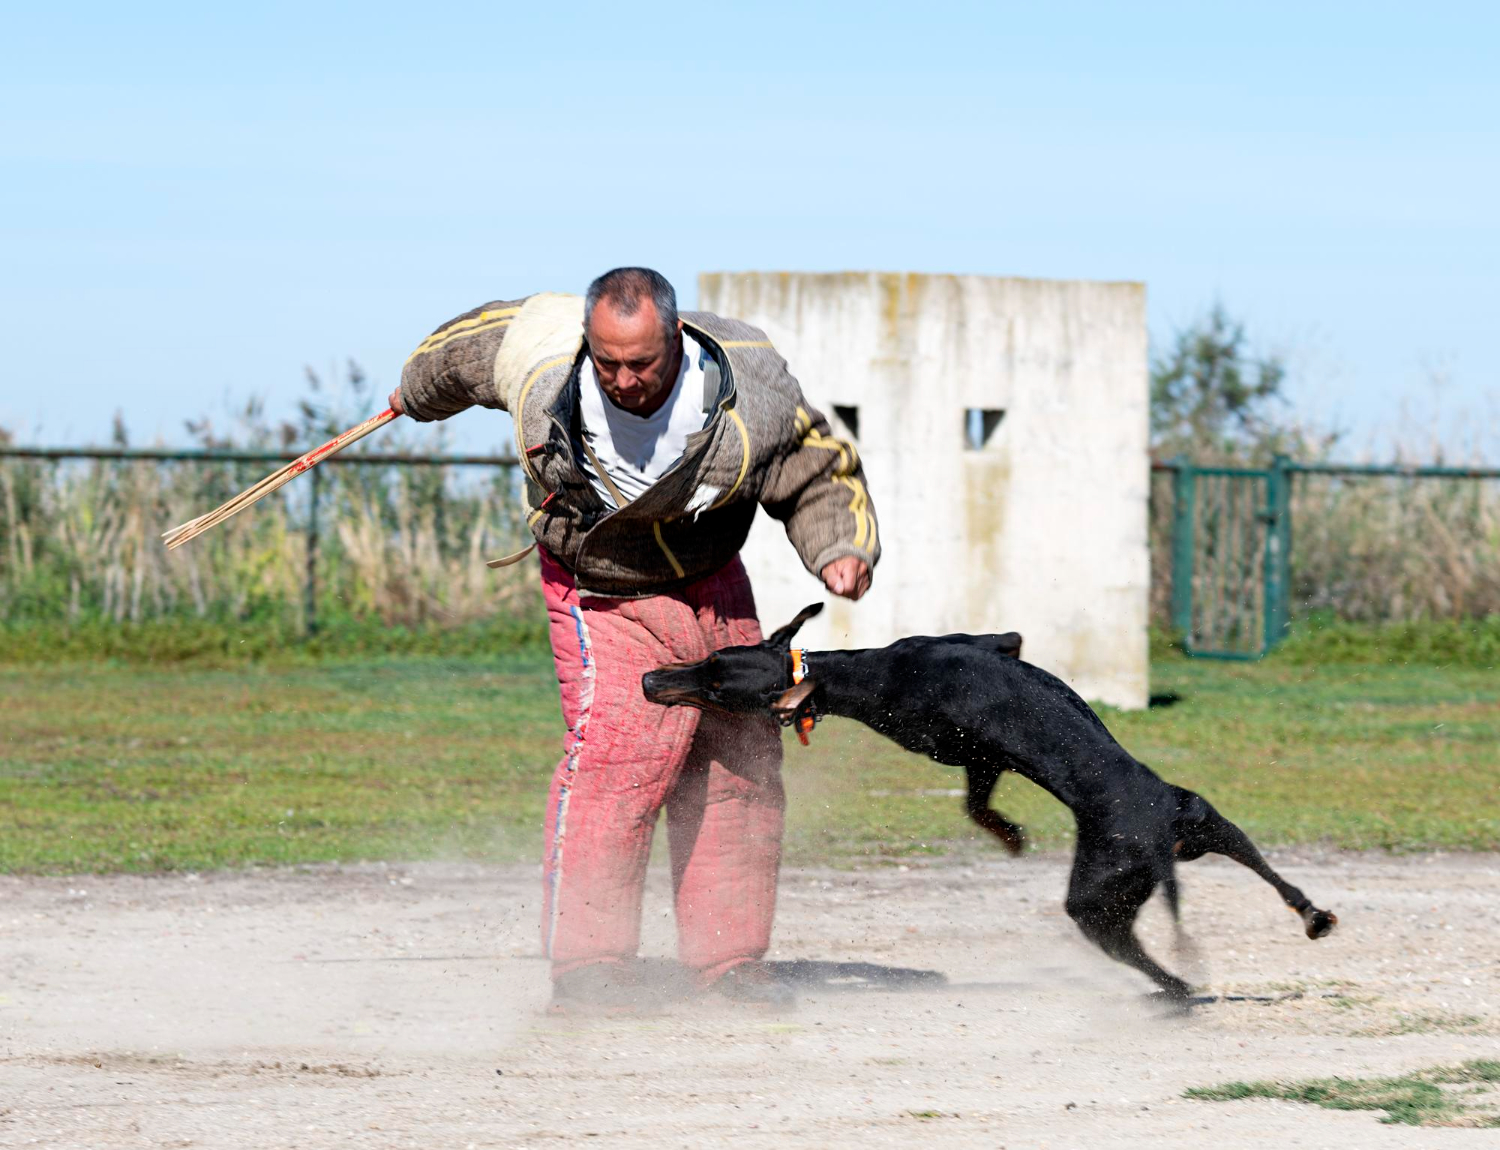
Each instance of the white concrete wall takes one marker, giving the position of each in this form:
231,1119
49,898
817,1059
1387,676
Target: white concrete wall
1044,530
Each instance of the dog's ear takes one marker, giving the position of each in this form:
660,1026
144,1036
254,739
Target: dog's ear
791,701
782,636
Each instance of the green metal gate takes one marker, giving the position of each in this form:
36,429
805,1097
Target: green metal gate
1231,550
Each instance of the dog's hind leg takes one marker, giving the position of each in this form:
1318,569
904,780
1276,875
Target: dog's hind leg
1183,945
1210,831
1103,899
1113,932
1118,940
982,782
1170,893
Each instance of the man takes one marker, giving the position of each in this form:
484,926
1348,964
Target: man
648,441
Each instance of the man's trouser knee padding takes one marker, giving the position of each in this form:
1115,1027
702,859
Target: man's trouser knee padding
719,777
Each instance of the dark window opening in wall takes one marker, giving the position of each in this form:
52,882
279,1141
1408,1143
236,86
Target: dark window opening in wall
979,426
849,417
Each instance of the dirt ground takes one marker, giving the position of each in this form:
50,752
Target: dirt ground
396,1006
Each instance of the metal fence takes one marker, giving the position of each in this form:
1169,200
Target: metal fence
1231,540
1222,538
217,480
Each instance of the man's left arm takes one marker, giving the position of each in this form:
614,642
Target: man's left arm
816,486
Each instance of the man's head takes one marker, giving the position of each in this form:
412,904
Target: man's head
750,678
634,337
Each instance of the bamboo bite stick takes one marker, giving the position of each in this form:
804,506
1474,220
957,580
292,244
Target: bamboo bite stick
180,534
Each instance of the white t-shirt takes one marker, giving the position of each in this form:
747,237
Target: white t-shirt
638,450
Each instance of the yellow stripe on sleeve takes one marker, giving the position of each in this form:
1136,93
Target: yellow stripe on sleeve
463,325
433,342
848,455
857,508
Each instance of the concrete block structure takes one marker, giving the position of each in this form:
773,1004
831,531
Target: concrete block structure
1003,425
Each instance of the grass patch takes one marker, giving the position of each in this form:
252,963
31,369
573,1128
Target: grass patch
144,768
1430,1023
1415,1099
106,769
1320,638
277,638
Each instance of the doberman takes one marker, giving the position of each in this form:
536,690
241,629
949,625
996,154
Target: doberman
969,701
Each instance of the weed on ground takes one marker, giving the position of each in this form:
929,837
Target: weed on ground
1415,1099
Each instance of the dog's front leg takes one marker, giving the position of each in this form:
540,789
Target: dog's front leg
982,782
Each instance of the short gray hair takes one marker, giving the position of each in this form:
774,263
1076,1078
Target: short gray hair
625,288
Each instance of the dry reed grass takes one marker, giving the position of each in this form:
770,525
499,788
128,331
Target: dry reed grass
404,545
81,540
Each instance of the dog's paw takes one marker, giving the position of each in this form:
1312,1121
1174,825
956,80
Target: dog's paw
1011,837
1317,922
1173,1002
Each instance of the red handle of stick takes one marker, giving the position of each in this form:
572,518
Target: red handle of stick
278,479
342,440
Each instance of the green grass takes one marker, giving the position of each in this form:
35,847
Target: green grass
1319,638
273,637
1402,758
120,769
107,768
1415,1099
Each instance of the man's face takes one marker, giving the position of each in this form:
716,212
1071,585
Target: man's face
635,360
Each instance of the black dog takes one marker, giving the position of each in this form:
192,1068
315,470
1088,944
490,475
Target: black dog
967,701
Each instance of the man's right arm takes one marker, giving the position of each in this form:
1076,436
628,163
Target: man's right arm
454,368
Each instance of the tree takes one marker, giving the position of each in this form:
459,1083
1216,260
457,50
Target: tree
1214,402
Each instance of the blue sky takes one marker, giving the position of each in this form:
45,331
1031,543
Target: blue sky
197,200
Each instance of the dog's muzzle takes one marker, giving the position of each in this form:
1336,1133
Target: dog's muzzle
658,688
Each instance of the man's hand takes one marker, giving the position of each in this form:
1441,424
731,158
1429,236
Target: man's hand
395,402
849,577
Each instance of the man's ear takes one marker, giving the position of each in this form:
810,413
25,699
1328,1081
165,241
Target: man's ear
782,636
791,701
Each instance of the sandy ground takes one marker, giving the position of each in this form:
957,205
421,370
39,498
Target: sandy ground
403,1006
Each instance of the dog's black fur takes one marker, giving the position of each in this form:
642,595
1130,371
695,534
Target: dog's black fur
969,701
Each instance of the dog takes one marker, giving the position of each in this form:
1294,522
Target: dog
969,701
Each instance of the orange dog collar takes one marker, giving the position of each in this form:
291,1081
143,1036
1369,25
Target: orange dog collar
803,723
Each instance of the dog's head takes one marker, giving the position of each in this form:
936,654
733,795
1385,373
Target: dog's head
750,678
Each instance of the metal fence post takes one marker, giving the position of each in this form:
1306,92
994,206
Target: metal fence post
1284,535
1278,564
1182,547
311,591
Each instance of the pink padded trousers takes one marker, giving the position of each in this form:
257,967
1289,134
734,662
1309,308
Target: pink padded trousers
719,777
